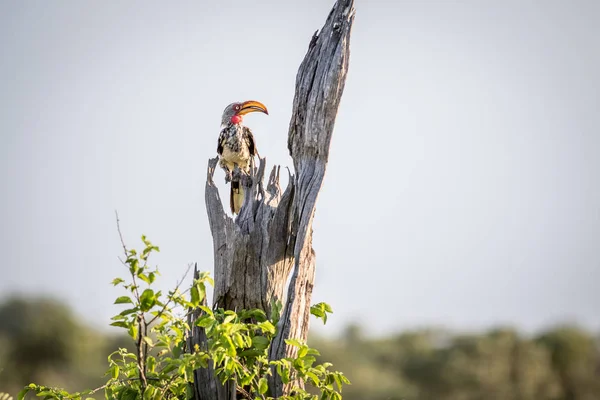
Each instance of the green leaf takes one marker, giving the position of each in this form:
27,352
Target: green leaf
338,382
263,386
121,324
134,265
169,368
279,369
151,363
317,312
251,353
147,300
205,277
162,352
276,307
313,352
229,318
148,341
245,379
257,314
195,296
128,394
237,339
260,342
320,310
178,331
285,375
294,342
229,346
205,321
267,326
128,311
114,371
144,277
116,281
123,300
133,331
149,393
314,378
303,351
22,393
201,290
177,350
308,361
207,310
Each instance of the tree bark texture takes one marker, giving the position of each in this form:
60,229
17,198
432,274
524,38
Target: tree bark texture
271,238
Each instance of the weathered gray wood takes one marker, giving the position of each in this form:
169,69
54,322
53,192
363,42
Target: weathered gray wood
207,385
271,238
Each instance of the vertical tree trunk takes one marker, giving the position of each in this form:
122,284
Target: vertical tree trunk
272,236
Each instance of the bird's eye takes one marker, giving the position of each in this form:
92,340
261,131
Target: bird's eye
237,108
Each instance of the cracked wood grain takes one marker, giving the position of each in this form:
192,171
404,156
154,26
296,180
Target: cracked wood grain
271,237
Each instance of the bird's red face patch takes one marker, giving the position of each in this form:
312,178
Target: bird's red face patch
236,119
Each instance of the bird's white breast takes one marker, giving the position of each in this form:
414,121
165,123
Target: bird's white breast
240,157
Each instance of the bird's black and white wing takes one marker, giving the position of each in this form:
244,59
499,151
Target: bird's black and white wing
221,141
249,138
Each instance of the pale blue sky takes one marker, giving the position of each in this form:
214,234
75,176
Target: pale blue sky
463,186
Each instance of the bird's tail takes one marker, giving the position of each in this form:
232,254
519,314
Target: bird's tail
236,199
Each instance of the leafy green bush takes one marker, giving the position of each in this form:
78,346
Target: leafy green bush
162,365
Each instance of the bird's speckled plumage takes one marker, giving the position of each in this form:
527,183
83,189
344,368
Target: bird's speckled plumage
238,140
236,148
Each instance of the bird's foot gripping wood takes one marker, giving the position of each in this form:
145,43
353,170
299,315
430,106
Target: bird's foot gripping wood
241,176
246,180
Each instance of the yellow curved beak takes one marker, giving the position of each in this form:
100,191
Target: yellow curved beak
252,106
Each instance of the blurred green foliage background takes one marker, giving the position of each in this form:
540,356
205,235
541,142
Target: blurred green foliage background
42,341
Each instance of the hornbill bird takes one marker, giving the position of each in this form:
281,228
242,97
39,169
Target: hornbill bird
236,147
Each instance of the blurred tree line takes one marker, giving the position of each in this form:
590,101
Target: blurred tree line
560,364
42,341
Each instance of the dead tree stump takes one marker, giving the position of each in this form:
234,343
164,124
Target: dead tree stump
272,236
